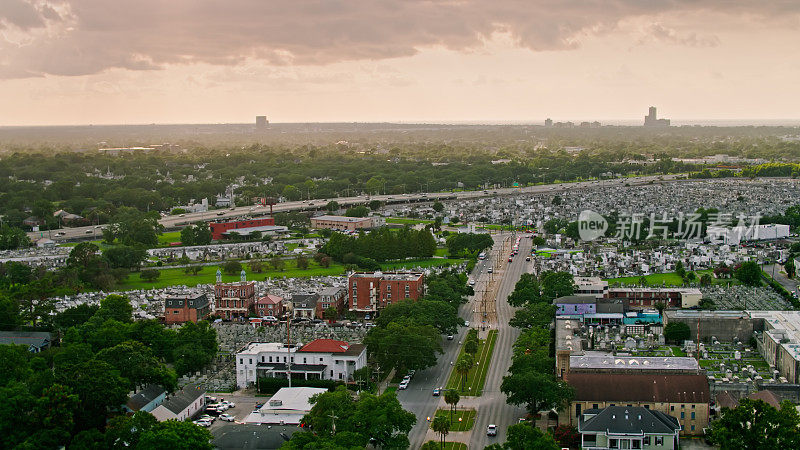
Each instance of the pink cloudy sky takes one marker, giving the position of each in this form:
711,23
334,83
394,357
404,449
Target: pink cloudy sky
191,61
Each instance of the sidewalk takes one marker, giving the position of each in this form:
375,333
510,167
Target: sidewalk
385,383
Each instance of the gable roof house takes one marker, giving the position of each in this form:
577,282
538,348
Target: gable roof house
182,404
619,427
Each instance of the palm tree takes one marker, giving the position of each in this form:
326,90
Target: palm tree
442,426
451,397
463,365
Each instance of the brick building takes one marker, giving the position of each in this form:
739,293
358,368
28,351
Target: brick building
219,228
648,297
332,296
186,308
234,301
370,291
270,305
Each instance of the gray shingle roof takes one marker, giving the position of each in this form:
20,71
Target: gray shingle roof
630,420
182,399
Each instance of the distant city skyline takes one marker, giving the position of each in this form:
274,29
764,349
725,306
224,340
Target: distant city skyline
65,62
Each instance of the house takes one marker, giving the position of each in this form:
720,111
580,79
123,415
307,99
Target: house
45,243
332,296
234,301
287,406
36,341
270,305
324,359
182,404
305,305
623,427
370,291
146,400
186,308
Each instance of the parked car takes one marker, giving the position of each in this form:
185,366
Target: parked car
226,417
466,323
491,430
436,392
489,270
449,337
527,258
403,385
229,404
207,417
202,423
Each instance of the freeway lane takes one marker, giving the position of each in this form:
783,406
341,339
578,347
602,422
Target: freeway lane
171,222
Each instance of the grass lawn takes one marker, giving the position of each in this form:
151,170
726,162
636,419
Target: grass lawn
164,239
677,351
441,252
406,221
174,277
467,417
477,375
391,389
668,279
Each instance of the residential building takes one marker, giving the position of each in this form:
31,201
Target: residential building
652,120
286,407
324,359
36,341
332,296
270,305
182,404
234,301
370,291
218,229
180,308
146,400
623,427
305,305
341,223
779,343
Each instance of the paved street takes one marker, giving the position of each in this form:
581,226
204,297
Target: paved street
492,407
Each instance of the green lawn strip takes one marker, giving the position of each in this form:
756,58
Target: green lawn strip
677,351
467,417
669,279
164,239
406,221
175,277
477,375
455,446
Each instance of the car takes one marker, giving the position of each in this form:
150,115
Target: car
437,392
269,319
403,386
210,399
221,213
207,417
489,270
406,379
527,258
491,430
449,337
229,403
89,231
466,323
259,405
181,215
472,282
412,372
226,417
61,233
510,259
202,423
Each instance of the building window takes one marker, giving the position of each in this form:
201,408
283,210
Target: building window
595,406
577,410
241,360
646,406
672,407
692,427
636,444
692,415
250,361
270,359
304,360
683,415
613,443
659,440
647,440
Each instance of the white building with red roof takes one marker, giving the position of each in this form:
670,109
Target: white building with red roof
322,359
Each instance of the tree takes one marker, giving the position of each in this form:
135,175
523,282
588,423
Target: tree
232,267
679,269
302,262
330,313
123,256
173,434
375,205
291,193
537,391
463,366
706,279
188,235
660,307
100,389
115,307
256,266
277,263
557,284
471,347
441,426
150,275
452,398
358,211
756,424
438,207
12,238
126,431
332,206
403,346
790,268
677,332
537,315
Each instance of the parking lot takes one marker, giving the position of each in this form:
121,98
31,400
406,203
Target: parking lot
245,404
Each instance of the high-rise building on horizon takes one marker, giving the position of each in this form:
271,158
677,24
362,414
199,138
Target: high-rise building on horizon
652,120
261,122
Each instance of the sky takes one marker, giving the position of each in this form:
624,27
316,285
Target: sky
209,61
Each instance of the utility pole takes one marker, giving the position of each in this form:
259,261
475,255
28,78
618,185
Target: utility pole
333,422
289,350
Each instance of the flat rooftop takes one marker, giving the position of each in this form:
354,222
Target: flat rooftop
343,219
258,347
389,275
595,360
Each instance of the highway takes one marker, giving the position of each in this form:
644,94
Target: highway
491,406
173,222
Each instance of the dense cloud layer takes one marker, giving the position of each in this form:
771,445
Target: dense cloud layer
77,37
